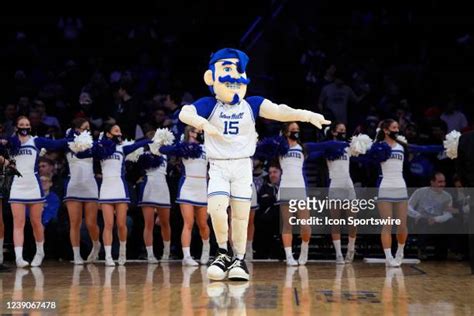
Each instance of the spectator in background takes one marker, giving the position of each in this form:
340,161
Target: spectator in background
336,97
50,218
126,111
47,169
10,114
24,106
38,128
432,210
454,119
172,103
40,107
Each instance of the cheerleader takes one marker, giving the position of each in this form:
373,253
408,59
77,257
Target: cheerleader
154,194
26,190
392,194
293,186
82,193
113,193
192,193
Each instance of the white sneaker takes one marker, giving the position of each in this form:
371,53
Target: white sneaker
121,260
340,260
94,255
21,263
303,258
350,256
109,262
78,261
37,260
152,260
392,263
291,262
399,259
165,257
188,261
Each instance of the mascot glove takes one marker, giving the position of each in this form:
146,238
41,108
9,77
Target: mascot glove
317,120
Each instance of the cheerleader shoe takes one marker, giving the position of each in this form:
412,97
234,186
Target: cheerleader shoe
109,262
291,262
152,260
218,269
21,263
340,260
78,261
94,255
37,260
350,256
121,260
165,257
188,261
204,256
303,258
392,263
399,258
238,271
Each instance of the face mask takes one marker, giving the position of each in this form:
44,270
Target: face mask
117,139
341,136
294,135
393,135
24,131
200,138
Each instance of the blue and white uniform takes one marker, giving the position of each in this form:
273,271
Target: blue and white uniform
392,186
81,184
154,189
340,185
114,188
230,165
193,184
292,183
27,189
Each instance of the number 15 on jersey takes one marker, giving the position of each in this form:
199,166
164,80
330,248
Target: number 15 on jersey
231,127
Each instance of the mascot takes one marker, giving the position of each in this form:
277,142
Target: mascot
228,122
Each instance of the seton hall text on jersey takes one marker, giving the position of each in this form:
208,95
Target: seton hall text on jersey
293,154
114,156
25,151
398,156
233,116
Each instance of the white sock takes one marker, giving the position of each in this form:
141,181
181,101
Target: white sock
223,245
240,257
77,252
19,253
388,253
205,243
304,246
166,248
149,251
39,248
400,249
186,252
96,244
288,252
108,251
337,247
351,244
123,248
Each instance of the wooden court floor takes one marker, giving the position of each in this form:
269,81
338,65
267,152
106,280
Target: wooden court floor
431,288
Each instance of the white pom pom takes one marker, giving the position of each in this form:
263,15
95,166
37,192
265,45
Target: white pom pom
451,144
127,142
42,152
133,156
402,139
162,137
81,142
360,144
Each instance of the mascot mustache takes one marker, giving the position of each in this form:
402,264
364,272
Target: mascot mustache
229,79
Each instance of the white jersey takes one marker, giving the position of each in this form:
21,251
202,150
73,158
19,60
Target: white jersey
113,166
196,167
236,126
80,169
161,170
26,158
393,166
339,168
292,168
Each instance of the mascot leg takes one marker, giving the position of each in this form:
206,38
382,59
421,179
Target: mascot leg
240,220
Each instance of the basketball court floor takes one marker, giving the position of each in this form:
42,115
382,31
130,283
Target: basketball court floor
432,288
